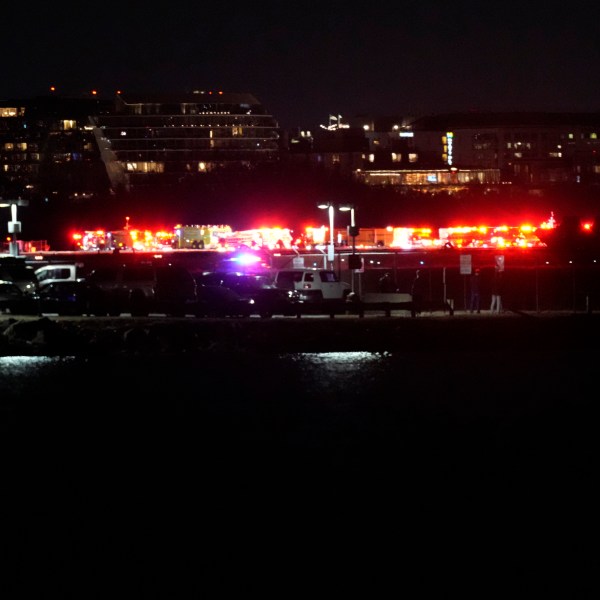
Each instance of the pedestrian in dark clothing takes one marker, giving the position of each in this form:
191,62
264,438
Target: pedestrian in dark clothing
497,285
418,292
475,303
386,283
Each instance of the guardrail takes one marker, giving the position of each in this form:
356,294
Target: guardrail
359,308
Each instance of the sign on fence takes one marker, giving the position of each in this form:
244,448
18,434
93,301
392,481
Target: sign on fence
465,264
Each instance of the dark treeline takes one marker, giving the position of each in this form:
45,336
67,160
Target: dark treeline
289,197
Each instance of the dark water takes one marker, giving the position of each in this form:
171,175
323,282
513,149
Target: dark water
246,474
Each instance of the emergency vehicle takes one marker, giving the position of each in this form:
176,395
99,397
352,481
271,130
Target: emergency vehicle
199,237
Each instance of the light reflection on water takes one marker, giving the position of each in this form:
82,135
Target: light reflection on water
330,364
461,381
341,360
21,365
152,454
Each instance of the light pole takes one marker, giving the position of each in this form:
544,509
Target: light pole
352,231
354,261
14,226
331,248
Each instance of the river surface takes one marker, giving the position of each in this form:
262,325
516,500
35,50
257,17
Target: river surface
147,477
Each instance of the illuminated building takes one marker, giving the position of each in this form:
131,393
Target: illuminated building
167,139
454,152
81,148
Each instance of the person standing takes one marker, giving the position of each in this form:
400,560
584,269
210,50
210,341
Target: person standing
386,283
497,283
418,292
475,301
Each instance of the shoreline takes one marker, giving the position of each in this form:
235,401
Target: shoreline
100,336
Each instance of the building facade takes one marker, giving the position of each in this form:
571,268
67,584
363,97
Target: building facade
84,148
457,151
80,148
167,139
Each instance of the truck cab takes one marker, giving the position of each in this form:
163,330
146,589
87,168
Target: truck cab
53,273
313,285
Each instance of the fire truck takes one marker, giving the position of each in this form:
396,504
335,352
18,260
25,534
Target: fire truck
199,237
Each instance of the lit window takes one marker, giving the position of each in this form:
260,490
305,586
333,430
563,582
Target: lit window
413,157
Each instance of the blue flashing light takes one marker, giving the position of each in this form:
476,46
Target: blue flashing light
246,259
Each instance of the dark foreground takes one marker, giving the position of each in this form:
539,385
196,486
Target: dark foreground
438,332
457,457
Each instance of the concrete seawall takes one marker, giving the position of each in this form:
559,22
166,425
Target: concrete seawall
99,336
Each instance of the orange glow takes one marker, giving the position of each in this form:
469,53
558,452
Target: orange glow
223,237
550,223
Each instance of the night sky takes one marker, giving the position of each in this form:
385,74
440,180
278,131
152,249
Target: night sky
305,60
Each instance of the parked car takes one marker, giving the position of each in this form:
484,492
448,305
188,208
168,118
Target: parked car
267,299
13,300
64,298
141,289
16,270
221,301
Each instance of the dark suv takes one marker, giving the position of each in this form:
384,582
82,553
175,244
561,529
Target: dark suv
140,290
263,297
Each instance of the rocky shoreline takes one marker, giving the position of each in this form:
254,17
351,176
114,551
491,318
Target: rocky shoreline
101,336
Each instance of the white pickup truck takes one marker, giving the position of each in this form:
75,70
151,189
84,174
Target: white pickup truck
58,272
313,285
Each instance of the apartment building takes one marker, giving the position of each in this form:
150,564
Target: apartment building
167,139
80,149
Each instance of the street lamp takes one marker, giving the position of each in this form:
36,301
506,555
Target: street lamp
354,261
14,226
331,247
352,229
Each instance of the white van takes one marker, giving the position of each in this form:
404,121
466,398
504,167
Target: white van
313,285
51,273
